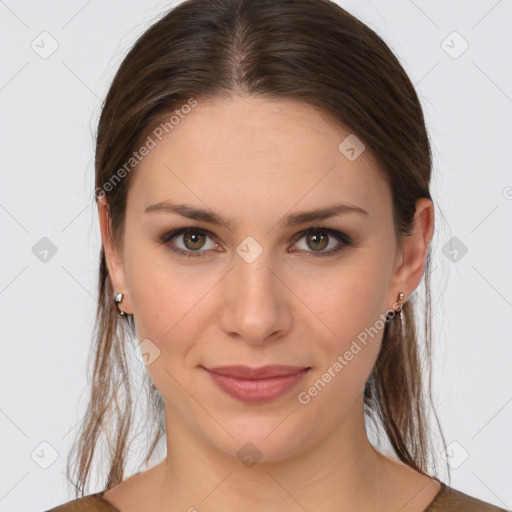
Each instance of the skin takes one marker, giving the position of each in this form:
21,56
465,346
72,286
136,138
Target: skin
252,161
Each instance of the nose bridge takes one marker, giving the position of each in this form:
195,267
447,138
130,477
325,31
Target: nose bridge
253,275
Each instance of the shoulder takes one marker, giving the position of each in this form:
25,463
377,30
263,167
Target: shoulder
122,495
90,503
451,500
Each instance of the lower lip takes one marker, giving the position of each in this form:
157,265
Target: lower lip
259,390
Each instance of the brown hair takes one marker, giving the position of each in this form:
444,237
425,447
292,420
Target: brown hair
312,51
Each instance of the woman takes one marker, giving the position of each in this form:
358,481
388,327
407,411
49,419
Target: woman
262,184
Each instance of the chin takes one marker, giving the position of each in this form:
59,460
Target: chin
258,439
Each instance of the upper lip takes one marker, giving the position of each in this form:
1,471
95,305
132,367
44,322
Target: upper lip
262,372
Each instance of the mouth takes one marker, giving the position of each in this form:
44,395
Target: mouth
256,385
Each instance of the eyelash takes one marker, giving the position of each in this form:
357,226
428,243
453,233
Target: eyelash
344,240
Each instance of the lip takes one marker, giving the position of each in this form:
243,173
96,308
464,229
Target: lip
254,385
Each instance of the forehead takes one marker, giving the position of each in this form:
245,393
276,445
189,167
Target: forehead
256,155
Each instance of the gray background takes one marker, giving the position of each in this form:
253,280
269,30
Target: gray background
50,106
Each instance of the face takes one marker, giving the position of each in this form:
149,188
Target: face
263,287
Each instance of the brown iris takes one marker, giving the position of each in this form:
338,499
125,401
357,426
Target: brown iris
196,239
321,239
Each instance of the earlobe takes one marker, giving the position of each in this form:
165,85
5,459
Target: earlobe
114,261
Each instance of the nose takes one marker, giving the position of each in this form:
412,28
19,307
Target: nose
257,305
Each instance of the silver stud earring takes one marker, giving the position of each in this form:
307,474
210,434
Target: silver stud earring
118,297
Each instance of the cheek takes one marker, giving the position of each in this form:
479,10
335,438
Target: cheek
172,302
166,302
346,361
348,323
169,306
346,301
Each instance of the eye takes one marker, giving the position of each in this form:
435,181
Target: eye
320,238
192,240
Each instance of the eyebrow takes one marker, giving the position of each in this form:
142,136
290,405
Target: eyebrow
294,219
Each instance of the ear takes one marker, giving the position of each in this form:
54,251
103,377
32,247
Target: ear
410,261
114,260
